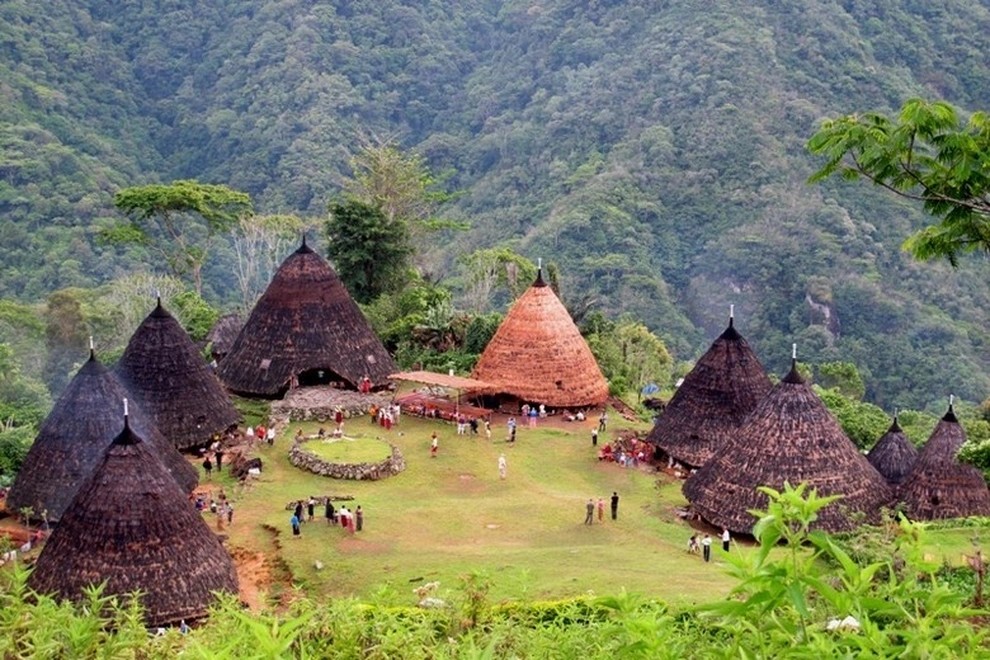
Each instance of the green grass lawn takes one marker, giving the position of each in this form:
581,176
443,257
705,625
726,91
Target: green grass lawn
447,516
349,449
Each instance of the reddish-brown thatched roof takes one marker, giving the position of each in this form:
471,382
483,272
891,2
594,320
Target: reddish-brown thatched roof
790,437
538,354
74,437
724,386
893,455
939,486
306,320
223,333
133,527
165,373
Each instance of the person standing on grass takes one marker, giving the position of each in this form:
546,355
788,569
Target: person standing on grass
208,467
488,429
706,547
503,466
589,516
726,538
434,445
329,512
218,454
603,421
294,521
615,505
230,513
310,508
298,511
270,437
594,437
358,518
601,510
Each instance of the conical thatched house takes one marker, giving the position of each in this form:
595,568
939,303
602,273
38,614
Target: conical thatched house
222,335
789,437
940,486
73,439
132,526
538,355
165,373
306,328
724,386
893,456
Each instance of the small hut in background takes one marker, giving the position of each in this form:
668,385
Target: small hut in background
165,373
305,330
537,355
939,486
222,335
790,437
73,439
893,455
724,386
133,527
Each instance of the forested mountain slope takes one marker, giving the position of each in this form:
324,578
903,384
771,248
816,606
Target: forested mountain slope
655,150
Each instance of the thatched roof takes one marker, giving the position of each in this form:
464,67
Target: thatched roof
724,386
132,526
306,320
538,354
74,437
893,455
789,437
940,486
223,333
165,373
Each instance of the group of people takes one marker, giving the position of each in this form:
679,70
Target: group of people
352,521
385,416
591,507
213,458
267,434
220,507
705,544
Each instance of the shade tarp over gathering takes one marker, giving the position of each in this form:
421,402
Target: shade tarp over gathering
443,380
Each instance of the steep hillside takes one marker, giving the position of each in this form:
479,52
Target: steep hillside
655,150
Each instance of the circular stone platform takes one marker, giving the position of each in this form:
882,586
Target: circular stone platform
300,457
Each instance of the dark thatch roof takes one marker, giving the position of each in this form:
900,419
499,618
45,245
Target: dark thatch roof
132,526
168,377
790,437
893,455
222,335
940,486
538,355
713,401
306,320
74,437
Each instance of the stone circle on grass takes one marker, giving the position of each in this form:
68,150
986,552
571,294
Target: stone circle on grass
304,458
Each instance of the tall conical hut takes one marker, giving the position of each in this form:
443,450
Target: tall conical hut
790,437
170,380
939,486
724,386
537,355
132,526
305,329
893,455
73,438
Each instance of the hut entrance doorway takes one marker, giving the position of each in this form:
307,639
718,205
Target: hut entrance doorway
312,377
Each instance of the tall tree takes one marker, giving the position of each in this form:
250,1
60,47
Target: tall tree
493,269
180,221
400,185
260,242
928,152
370,251
65,338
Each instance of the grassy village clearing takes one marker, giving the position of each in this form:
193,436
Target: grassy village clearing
446,517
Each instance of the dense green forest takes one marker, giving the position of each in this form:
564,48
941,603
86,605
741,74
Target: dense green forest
654,151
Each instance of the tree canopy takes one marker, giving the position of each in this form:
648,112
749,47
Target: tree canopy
179,221
928,152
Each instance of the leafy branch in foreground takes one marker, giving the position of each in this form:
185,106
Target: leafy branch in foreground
929,153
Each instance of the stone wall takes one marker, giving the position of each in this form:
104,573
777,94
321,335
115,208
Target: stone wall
305,460
321,404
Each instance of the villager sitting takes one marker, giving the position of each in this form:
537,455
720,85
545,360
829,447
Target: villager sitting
579,416
322,433
605,454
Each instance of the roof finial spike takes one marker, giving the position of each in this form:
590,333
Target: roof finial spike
158,296
92,350
732,314
125,412
304,238
793,351
951,399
